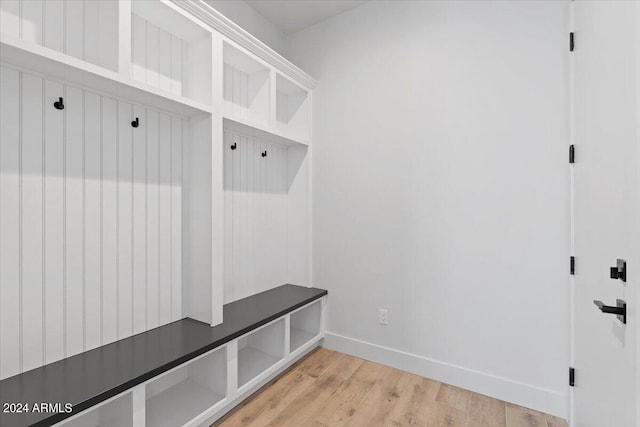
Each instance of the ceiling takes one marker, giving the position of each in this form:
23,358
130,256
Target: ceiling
294,15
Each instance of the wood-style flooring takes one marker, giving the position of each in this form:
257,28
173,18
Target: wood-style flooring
331,389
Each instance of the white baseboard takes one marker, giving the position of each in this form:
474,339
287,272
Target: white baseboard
540,399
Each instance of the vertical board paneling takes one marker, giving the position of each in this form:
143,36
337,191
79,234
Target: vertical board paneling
138,51
93,220
90,221
125,217
108,26
158,57
32,221
176,65
229,139
80,28
164,60
54,24
10,17
54,223
177,131
109,212
91,32
74,28
152,54
75,221
255,237
152,224
31,23
10,150
164,217
139,222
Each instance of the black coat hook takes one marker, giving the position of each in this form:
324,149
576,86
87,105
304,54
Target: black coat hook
135,123
264,153
234,146
59,104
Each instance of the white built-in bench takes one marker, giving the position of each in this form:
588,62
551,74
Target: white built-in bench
185,373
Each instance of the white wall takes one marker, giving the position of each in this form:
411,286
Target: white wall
251,21
441,190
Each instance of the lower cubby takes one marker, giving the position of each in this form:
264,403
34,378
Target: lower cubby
260,350
305,325
181,395
116,413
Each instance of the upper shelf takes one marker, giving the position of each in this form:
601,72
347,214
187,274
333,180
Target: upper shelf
59,66
263,132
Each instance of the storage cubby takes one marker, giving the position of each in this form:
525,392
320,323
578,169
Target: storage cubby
116,413
170,52
83,29
292,111
305,325
245,87
260,350
183,394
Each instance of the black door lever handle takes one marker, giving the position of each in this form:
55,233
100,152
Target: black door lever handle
619,271
620,309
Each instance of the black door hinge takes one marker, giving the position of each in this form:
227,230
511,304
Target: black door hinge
572,43
572,265
572,154
572,377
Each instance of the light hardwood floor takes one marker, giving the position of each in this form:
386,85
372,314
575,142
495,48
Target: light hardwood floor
330,389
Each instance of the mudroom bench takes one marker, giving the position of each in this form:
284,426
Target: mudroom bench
185,373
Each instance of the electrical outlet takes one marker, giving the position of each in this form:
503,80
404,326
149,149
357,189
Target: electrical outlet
383,316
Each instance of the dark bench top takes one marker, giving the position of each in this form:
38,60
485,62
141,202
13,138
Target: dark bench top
91,377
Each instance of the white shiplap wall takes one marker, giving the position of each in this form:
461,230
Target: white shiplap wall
157,56
83,29
245,94
90,220
256,215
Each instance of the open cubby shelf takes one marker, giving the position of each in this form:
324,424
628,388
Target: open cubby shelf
292,110
177,397
182,369
170,52
116,413
260,350
306,324
246,86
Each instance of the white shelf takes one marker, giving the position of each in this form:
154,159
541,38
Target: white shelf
254,129
246,86
116,413
180,404
170,51
252,362
305,324
299,337
292,108
58,66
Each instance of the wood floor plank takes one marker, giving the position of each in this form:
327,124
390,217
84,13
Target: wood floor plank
376,406
439,415
415,392
556,422
331,389
298,412
453,396
319,361
268,403
486,411
341,406
517,416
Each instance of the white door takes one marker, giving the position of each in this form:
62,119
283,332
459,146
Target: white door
605,213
